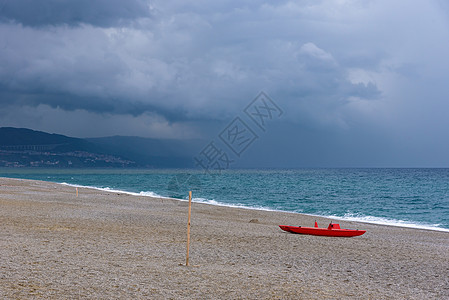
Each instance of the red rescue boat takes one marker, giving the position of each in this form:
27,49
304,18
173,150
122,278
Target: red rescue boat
331,230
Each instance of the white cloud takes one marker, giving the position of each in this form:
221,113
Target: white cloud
312,50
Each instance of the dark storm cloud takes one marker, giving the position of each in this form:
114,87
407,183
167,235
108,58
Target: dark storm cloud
102,13
351,72
187,63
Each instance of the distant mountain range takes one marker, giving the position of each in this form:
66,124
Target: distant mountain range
20,147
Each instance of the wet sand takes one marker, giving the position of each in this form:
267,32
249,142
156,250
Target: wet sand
54,245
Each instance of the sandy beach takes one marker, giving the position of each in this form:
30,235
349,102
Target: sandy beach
55,245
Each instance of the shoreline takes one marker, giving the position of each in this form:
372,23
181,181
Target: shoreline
142,194
381,221
112,245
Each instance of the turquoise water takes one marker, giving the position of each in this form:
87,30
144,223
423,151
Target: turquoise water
416,198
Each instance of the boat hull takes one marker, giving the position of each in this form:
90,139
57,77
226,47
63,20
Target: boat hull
322,231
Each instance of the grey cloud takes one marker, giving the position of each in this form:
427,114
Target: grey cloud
364,69
102,13
176,73
196,62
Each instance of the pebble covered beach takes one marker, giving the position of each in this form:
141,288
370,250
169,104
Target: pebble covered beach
105,245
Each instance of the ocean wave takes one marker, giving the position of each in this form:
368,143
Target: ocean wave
236,205
111,190
388,222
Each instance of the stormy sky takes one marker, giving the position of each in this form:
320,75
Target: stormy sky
360,83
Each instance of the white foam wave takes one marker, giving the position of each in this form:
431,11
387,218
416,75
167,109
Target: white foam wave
107,189
237,205
388,222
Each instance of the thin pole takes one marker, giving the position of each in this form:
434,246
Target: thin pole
77,192
188,228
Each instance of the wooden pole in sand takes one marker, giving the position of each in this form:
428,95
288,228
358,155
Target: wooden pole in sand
188,228
76,192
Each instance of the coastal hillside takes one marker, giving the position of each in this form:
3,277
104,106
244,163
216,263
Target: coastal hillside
21,147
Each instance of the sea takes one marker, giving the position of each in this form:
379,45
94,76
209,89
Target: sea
415,198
